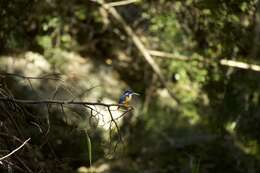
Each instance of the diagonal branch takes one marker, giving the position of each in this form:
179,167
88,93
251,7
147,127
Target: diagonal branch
15,150
138,43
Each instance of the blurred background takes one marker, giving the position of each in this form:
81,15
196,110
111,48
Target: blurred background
193,62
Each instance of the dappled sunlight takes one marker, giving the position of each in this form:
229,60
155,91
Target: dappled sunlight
70,72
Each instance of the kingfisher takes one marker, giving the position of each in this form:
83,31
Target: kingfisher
126,97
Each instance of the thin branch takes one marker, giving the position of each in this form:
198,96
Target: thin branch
121,3
48,106
37,125
63,102
15,150
11,136
43,77
128,110
224,62
238,64
117,129
167,55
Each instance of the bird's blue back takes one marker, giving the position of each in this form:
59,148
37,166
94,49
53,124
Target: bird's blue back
122,98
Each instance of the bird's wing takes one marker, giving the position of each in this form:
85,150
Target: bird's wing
121,99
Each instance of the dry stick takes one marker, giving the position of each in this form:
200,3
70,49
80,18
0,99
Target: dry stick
146,55
117,118
64,102
48,106
241,65
224,62
14,137
37,125
15,150
44,77
115,123
120,3
117,128
167,55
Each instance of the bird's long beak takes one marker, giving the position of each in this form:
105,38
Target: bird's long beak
136,94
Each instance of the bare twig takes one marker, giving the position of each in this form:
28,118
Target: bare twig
15,150
54,76
238,64
224,62
168,55
11,136
63,102
117,127
123,114
121,3
37,125
48,106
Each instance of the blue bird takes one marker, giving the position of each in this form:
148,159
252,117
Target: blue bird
126,97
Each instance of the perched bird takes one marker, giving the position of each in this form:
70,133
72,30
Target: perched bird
126,97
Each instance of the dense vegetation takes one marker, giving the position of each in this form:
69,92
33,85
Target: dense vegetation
202,115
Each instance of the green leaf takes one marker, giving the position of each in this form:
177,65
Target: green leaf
89,150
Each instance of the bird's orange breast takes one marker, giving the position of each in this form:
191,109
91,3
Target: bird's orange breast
127,100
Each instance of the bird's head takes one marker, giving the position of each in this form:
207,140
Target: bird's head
129,92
